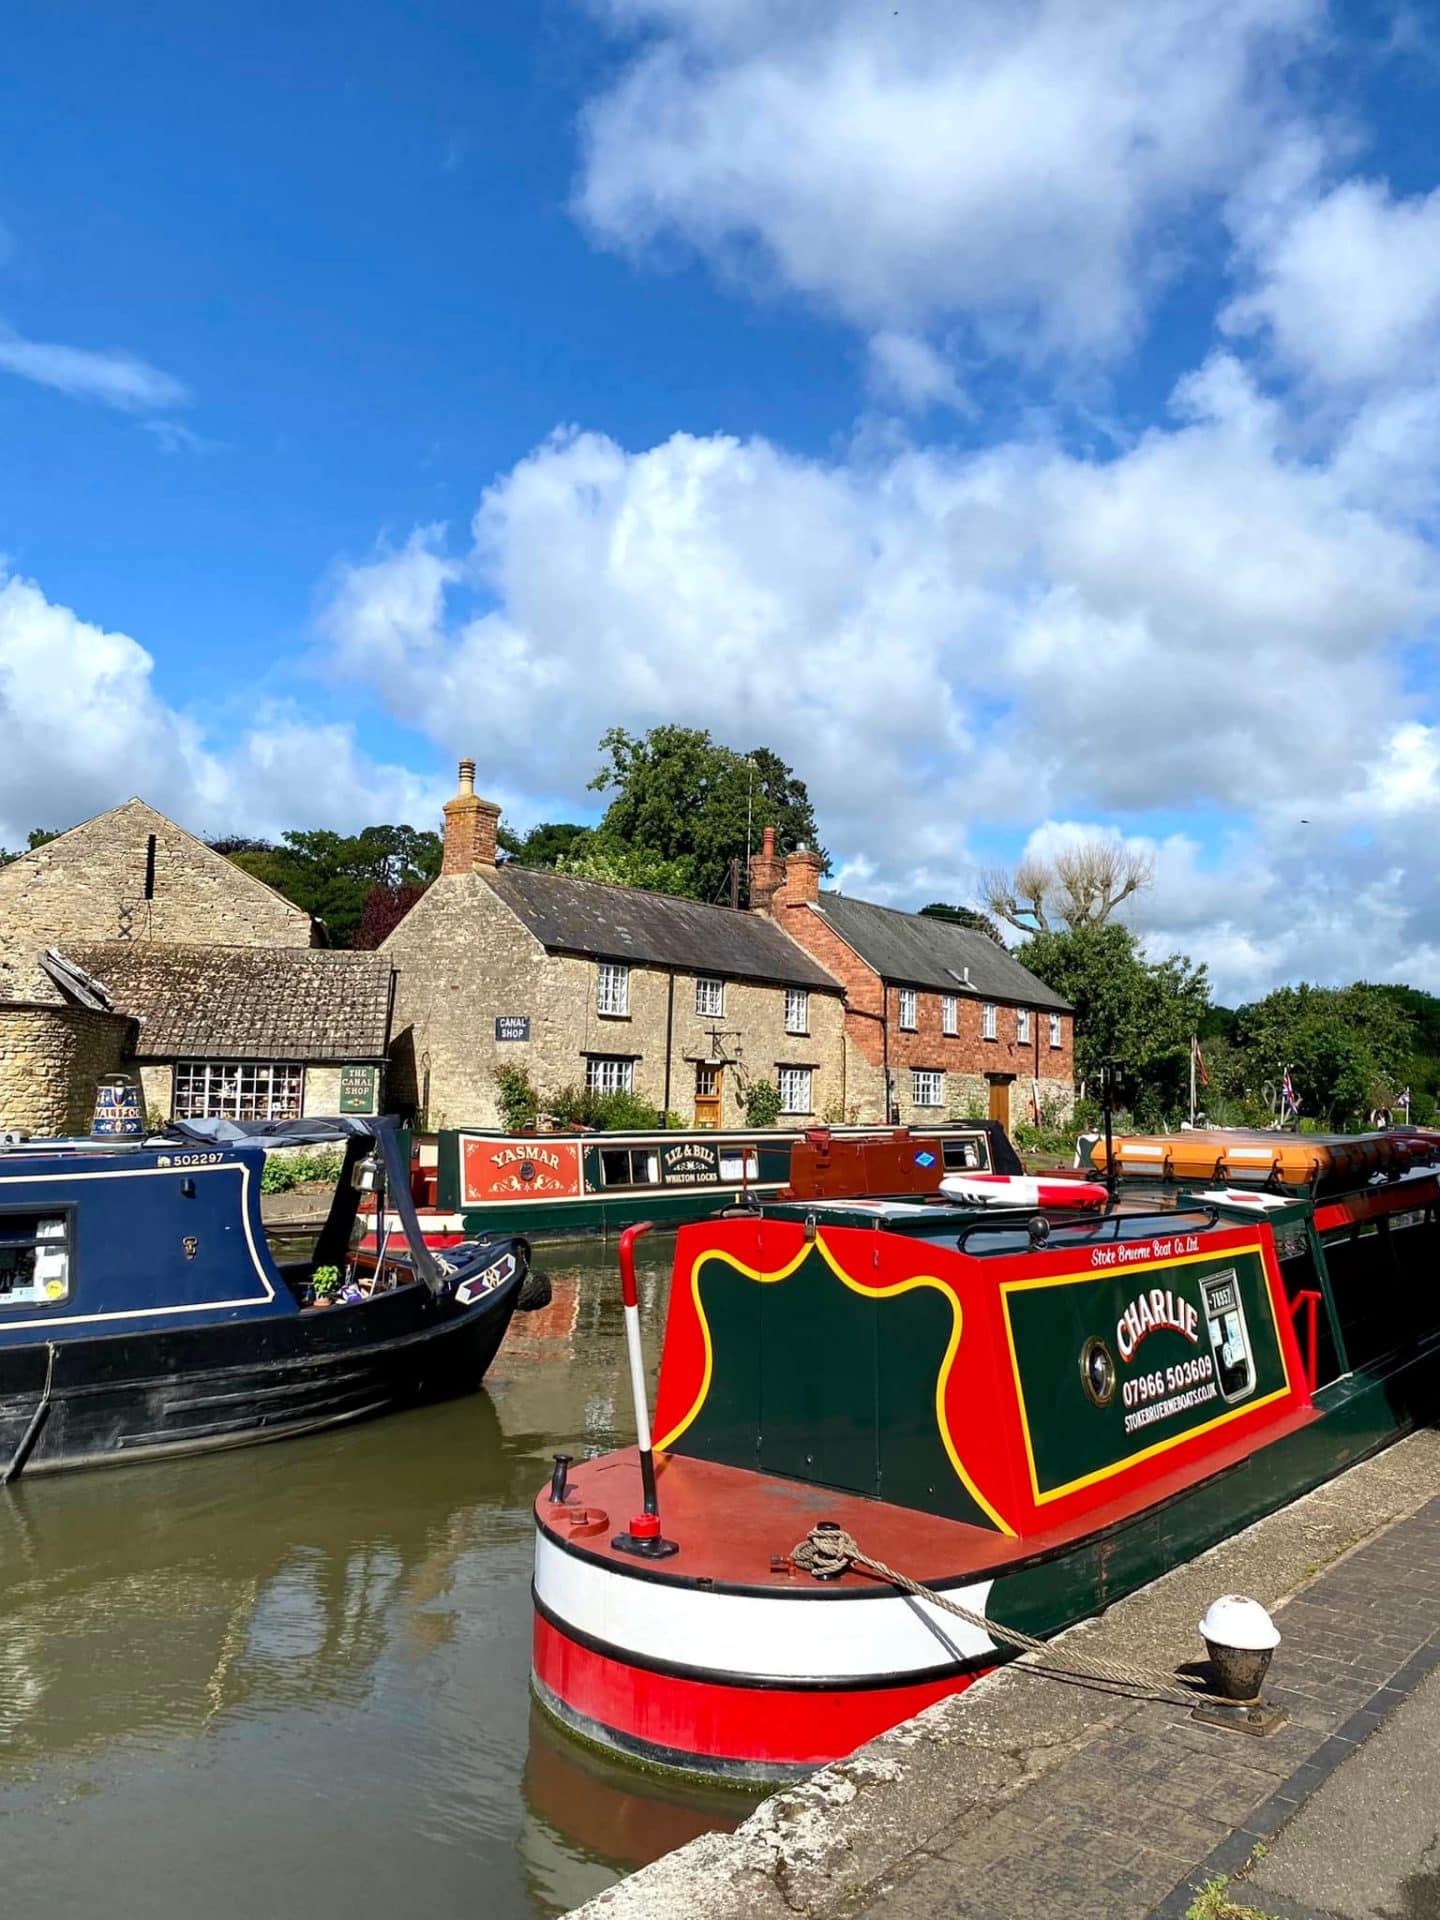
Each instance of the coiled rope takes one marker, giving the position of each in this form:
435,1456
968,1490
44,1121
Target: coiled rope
828,1551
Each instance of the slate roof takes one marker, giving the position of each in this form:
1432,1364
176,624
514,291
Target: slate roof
917,950
589,917
245,1003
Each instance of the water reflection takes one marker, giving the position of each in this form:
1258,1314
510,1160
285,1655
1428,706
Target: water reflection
297,1675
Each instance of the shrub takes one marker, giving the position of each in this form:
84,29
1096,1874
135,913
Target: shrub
762,1103
576,1106
287,1169
519,1102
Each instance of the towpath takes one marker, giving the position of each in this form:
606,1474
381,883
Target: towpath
1032,1799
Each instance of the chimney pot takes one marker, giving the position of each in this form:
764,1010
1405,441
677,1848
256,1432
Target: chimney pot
767,841
467,776
767,873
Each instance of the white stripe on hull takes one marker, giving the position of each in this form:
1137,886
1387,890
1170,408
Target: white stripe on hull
819,1637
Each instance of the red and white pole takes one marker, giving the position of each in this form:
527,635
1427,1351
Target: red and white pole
644,1536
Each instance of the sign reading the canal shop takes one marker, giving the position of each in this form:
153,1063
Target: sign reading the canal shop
536,1169
690,1163
357,1089
118,1108
512,1026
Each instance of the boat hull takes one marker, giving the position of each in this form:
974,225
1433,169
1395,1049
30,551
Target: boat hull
136,1397
665,1668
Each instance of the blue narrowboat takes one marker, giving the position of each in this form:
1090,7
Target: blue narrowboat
143,1314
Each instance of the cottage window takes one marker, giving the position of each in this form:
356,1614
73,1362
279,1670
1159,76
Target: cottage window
1022,1025
34,1259
609,1073
612,988
1055,1030
795,1085
950,1013
797,1010
987,1020
928,1088
238,1090
709,995
908,1016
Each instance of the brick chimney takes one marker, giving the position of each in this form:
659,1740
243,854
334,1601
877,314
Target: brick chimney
767,873
802,877
470,826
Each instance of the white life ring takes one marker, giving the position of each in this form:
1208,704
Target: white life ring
1022,1190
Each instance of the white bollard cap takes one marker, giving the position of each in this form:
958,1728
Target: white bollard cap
1234,1621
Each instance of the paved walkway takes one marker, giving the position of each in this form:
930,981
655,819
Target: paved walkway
1028,1800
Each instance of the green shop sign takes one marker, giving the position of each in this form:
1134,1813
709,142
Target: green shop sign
358,1086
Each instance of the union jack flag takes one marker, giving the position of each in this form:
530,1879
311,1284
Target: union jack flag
1287,1095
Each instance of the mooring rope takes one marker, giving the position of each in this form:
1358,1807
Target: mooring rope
828,1551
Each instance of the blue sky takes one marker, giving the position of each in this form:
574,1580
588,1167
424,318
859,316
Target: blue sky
1024,418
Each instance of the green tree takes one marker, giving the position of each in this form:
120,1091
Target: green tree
332,875
963,917
1140,1013
1347,1048
544,845
602,858
38,837
684,798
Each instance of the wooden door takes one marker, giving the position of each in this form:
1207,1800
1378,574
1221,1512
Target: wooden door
1000,1098
707,1095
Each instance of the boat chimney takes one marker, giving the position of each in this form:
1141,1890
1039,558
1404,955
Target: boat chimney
767,873
471,826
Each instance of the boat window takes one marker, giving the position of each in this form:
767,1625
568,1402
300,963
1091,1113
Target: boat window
1361,1266
34,1259
739,1163
963,1156
1229,1336
630,1166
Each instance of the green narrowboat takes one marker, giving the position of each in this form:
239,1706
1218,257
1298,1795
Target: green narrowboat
1031,1402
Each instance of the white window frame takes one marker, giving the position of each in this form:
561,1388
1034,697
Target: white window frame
909,1010
797,1010
237,1090
950,1014
797,1089
927,1086
609,1073
612,989
1057,1031
1022,1026
989,1020
709,996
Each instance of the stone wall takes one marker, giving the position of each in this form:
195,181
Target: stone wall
89,885
51,1059
462,959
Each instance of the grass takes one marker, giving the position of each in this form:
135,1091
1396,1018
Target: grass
287,1170
1213,1902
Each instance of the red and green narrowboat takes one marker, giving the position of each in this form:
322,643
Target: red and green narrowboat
1033,1409
566,1186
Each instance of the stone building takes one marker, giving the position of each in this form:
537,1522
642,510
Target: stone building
581,983
940,1019
215,985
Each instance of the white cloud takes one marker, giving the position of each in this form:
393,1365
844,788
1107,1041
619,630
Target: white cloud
112,735
945,644
1347,287
1023,165
110,375
905,367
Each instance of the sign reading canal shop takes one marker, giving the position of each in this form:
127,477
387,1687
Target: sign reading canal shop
357,1089
512,1026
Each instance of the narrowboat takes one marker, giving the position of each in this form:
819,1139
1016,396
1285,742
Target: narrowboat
1031,1402
566,1186
142,1313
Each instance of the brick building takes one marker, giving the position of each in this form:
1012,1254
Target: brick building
613,987
214,984
940,1019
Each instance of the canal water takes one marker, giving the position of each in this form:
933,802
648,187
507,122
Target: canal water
293,1679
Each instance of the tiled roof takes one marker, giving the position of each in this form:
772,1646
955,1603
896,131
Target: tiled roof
627,923
917,950
246,1003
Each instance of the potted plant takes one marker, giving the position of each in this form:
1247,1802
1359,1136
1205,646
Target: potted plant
324,1286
